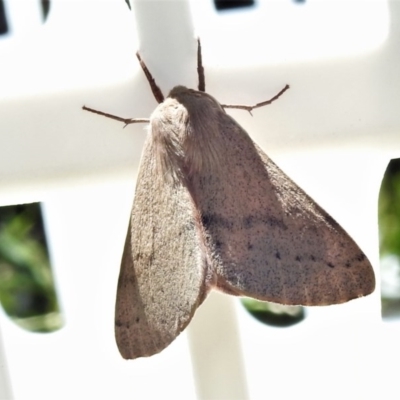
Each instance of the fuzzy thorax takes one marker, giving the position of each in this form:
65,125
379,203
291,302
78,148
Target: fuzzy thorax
185,130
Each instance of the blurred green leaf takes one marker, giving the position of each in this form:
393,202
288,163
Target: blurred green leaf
389,238
389,210
274,314
26,282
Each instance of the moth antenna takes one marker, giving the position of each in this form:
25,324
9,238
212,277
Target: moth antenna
200,69
127,121
263,103
153,85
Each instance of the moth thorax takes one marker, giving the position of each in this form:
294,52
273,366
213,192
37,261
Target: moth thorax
168,127
186,140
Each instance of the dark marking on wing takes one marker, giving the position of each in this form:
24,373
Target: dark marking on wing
330,221
247,222
361,257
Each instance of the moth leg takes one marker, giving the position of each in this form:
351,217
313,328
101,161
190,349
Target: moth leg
153,85
200,69
263,103
127,121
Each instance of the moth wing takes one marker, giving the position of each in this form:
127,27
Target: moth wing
268,239
161,281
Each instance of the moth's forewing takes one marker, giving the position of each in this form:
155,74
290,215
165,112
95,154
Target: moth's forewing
162,279
268,239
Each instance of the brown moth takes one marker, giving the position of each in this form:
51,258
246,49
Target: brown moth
212,211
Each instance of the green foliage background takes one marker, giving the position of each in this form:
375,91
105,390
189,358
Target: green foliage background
27,291
389,238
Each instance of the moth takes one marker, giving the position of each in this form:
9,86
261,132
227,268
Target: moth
212,211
